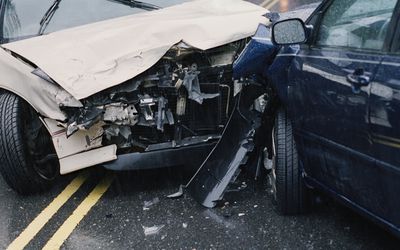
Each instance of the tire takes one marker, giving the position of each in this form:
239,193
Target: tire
19,153
290,191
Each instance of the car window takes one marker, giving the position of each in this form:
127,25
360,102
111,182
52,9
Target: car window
359,24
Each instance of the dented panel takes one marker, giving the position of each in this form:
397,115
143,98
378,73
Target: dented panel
88,159
81,141
43,96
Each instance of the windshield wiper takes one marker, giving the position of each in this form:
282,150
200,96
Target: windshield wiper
47,16
137,4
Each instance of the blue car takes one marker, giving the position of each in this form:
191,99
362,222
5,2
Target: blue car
335,89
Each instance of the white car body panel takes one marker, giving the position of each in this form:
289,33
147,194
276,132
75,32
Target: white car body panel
16,77
88,159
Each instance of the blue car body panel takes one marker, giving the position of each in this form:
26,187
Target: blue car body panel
257,55
348,136
336,140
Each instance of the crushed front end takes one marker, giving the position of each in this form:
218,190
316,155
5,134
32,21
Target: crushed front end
173,112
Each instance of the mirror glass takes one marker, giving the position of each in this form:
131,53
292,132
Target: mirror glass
289,32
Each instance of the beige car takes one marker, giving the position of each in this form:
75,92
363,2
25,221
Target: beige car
118,83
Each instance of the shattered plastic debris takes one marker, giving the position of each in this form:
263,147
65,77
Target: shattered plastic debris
260,103
184,225
152,230
241,214
148,204
177,194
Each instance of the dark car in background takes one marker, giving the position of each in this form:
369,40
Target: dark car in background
336,85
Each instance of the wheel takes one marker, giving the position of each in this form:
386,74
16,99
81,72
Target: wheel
28,162
288,187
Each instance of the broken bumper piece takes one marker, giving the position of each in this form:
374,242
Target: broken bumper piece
191,154
222,165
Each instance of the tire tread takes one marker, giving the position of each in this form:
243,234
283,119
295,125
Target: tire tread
290,189
15,167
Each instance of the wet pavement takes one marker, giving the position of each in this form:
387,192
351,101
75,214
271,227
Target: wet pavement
134,213
137,201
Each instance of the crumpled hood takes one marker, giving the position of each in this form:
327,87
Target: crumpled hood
88,59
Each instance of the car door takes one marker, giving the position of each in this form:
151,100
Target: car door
329,87
385,132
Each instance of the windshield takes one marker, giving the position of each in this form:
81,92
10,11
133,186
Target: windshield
21,18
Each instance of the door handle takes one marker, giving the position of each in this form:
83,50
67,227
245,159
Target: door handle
358,78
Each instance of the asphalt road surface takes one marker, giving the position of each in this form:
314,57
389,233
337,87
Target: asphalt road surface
98,209
134,213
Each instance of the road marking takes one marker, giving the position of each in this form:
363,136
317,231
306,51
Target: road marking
269,3
38,223
80,212
263,4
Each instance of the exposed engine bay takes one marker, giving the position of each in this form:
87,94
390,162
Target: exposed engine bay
184,99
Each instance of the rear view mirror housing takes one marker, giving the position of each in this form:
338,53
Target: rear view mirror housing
289,32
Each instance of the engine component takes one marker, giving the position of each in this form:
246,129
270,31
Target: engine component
146,107
121,114
181,105
187,93
192,84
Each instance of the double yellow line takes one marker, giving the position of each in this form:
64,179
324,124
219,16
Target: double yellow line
269,3
70,224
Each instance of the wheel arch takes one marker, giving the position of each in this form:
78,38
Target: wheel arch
16,77
269,116
4,89
30,103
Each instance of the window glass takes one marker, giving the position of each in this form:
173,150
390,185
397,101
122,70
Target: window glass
360,24
21,18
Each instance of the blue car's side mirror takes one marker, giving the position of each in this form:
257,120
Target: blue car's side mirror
290,31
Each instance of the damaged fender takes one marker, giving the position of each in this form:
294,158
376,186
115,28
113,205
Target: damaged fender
43,96
81,150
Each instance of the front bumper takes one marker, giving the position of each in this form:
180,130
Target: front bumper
191,156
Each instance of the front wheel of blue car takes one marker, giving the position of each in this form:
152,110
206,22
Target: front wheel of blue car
28,162
288,187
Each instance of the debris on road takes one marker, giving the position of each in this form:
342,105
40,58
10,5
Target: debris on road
177,194
148,204
152,230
